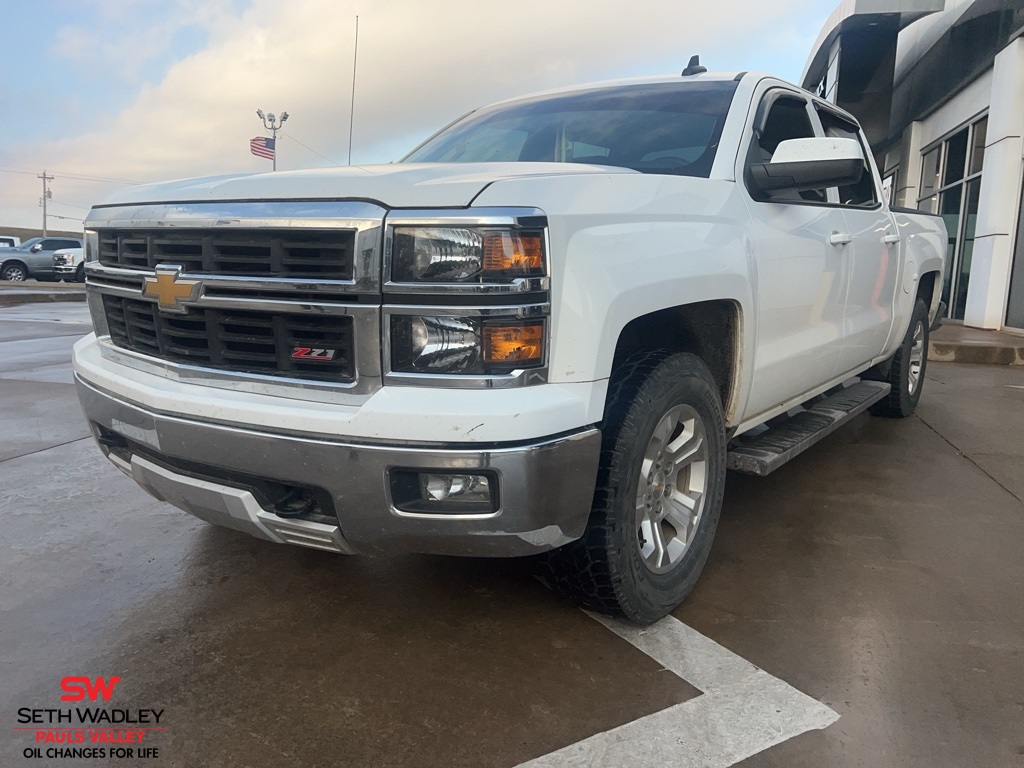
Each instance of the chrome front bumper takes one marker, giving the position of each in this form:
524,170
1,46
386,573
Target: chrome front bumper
545,488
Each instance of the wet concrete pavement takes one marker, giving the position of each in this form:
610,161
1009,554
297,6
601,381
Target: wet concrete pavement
880,573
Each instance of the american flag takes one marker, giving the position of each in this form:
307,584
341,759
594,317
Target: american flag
261,146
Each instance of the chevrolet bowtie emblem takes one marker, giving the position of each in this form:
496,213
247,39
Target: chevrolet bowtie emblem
170,291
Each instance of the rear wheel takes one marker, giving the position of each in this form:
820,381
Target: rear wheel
659,492
906,373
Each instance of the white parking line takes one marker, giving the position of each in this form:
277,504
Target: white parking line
742,710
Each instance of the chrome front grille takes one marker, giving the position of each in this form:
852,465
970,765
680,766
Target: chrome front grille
253,253
275,279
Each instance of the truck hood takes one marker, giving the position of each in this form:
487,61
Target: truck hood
401,185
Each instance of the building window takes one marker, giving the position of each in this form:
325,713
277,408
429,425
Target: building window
889,186
951,187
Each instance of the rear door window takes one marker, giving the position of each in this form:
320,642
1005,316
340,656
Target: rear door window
862,194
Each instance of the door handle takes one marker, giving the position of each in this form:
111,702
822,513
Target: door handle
891,239
840,238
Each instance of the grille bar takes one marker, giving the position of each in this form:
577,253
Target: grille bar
305,254
241,341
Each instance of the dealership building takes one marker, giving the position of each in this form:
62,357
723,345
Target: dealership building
939,88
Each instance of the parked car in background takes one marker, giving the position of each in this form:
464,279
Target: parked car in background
33,258
69,264
9,241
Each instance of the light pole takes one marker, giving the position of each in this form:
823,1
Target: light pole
46,196
272,126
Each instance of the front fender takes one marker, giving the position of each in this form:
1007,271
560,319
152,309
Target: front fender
627,245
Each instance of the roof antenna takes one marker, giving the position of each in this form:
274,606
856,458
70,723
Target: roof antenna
694,67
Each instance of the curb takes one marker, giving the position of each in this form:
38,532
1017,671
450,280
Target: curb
14,299
976,354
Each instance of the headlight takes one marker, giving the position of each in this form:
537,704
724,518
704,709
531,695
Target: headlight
465,345
92,245
466,255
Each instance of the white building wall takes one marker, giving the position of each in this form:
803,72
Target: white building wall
1000,192
909,177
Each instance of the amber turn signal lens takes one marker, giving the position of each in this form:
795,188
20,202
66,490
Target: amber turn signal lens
514,344
513,253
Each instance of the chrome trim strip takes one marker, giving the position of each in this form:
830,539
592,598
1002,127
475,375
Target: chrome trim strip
517,378
283,214
97,272
524,311
519,285
464,217
297,306
470,217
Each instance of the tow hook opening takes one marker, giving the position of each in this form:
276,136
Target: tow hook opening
297,502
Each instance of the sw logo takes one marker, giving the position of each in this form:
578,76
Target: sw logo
312,353
79,687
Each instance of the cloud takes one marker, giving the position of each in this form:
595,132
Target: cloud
421,64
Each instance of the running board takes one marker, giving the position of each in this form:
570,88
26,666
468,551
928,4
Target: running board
765,452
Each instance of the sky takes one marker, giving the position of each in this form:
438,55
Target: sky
106,93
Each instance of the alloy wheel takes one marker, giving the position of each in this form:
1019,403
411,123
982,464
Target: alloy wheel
670,497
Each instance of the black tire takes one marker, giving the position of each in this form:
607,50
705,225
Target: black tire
906,373
15,272
606,570
80,274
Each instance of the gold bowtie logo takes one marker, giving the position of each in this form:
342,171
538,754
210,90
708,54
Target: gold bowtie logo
170,291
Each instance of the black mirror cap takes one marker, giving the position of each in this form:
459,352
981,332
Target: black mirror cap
799,177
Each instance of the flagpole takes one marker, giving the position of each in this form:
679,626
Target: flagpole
352,106
272,124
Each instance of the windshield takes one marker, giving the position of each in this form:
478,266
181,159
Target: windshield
669,128
29,243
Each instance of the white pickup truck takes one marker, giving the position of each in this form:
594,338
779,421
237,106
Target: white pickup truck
550,330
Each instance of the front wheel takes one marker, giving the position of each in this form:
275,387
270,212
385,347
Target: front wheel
906,372
14,272
659,492
80,274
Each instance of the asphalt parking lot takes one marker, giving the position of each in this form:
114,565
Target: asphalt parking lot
880,574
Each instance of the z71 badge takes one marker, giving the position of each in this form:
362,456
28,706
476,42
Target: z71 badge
312,353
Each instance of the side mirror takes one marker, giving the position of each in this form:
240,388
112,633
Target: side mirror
803,164
36,248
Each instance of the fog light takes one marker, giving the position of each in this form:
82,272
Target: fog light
451,493
471,488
